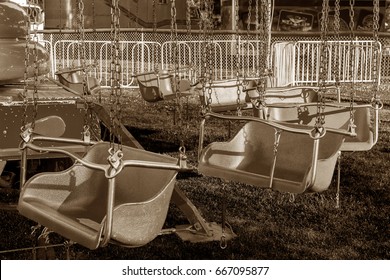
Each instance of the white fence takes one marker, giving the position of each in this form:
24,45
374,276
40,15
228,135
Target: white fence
293,63
348,61
138,57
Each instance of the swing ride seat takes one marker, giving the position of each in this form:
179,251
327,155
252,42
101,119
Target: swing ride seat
284,95
337,117
155,87
72,203
70,78
224,96
248,158
365,136
295,94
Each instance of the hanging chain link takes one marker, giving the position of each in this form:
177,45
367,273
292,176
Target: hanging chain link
264,18
210,49
257,27
351,23
268,24
81,33
336,45
247,44
189,38
31,38
26,66
36,63
82,51
174,59
376,54
154,49
115,70
95,39
323,67
204,43
352,66
188,21
182,128
60,37
238,61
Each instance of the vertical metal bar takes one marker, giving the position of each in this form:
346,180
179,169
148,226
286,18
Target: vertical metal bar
201,137
275,151
110,210
338,180
314,164
23,167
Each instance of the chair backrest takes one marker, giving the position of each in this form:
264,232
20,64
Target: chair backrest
291,95
223,96
362,121
142,199
365,137
74,81
335,117
155,87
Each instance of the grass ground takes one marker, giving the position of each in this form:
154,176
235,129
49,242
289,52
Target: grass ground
269,225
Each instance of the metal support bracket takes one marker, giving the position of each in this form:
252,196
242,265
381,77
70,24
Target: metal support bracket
199,230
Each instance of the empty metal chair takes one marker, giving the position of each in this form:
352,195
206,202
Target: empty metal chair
89,207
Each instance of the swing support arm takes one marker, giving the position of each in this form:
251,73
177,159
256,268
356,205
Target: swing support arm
108,169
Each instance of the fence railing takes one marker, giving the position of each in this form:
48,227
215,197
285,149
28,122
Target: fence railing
293,63
139,57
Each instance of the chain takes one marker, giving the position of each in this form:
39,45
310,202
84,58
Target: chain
26,66
336,22
174,38
352,66
376,53
263,31
94,32
351,18
81,45
257,27
237,60
188,20
36,70
336,27
81,32
31,38
115,70
323,67
210,54
60,35
248,28
190,37
155,54
268,23
205,25
204,44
